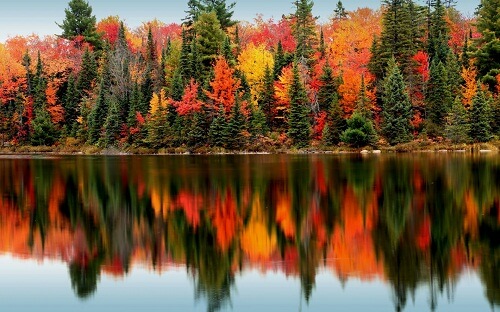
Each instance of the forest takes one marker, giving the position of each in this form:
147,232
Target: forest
403,73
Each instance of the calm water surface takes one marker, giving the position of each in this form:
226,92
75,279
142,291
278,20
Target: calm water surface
247,233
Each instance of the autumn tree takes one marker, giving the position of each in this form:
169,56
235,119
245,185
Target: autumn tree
253,62
80,23
224,85
88,74
396,107
304,29
299,128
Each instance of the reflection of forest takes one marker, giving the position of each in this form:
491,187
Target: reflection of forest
412,221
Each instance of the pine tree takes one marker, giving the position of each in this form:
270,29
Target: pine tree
339,12
487,46
40,97
151,53
257,124
438,98
97,115
457,123
224,12
112,124
210,37
44,132
185,59
360,131
335,124
438,47
227,51
196,134
79,22
328,89
177,86
217,131
363,103
266,99
495,116
321,46
304,29
396,107
299,125
480,117
88,74
400,38
236,124
147,90
71,106
280,60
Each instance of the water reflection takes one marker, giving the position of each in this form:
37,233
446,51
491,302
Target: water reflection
413,221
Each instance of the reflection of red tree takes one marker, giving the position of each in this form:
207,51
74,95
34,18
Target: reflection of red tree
191,204
225,219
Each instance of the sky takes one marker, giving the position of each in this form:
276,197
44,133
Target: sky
23,17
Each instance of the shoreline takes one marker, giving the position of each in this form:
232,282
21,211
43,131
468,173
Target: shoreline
411,147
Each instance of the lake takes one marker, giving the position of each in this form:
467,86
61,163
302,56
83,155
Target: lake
250,232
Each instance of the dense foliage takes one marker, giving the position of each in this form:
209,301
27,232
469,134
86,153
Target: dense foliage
296,81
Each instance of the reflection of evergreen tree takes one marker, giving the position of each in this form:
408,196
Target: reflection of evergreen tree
84,277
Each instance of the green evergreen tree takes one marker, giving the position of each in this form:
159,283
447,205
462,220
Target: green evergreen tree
480,117
401,37
210,37
227,51
191,14
266,98
177,86
70,106
304,29
196,135
487,46
44,131
40,97
298,120
185,59
224,12
196,63
151,53
112,124
235,126
147,90
438,47
79,22
396,107
88,74
328,89
217,131
363,103
339,12
360,131
336,124
495,116
438,98
321,46
98,114
257,124
280,60
26,62
457,123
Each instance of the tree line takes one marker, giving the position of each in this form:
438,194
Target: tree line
405,72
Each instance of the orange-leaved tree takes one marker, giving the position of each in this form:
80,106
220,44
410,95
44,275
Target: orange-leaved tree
224,85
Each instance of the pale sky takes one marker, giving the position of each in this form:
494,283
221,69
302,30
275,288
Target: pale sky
23,17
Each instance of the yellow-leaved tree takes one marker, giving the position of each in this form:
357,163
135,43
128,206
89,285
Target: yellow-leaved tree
253,61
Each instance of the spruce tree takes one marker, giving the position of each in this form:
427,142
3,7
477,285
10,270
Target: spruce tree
480,117
224,12
321,46
210,37
196,135
280,60
336,124
235,126
227,51
40,97
112,123
363,103
44,132
98,114
257,124
185,59
487,46
438,47
88,74
396,107
299,128
339,12
360,131
328,89
495,116
266,99
217,131
457,123
70,106
438,98
79,22
304,29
